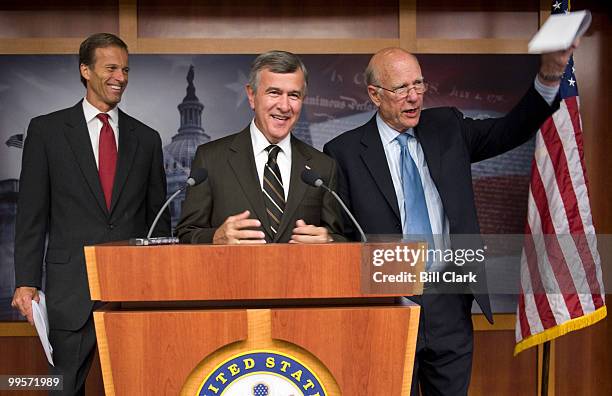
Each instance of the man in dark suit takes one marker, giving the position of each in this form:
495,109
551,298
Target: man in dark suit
407,171
254,193
90,174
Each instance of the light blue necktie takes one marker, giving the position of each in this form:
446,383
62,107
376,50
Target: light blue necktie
416,224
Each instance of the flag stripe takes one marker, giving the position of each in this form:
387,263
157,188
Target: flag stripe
550,245
589,253
542,305
561,280
522,318
532,318
558,168
562,223
574,114
545,279
589,270
15,141
559,140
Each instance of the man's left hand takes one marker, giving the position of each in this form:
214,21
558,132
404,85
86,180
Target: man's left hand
308,233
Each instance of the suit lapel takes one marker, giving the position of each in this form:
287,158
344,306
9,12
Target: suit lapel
242,161
128,144
77,134
373,155
297,189
428,137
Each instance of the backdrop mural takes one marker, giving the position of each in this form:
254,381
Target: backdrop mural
191,100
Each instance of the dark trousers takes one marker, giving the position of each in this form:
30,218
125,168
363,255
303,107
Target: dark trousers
73,352
443,359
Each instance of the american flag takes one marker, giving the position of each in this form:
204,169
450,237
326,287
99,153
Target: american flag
561,281
15,141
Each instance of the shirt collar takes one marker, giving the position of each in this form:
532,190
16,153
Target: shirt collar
388,134
260,143
92,112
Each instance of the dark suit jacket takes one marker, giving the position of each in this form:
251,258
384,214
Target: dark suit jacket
60,194
450,143
233,186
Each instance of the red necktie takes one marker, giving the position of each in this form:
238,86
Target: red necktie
107,158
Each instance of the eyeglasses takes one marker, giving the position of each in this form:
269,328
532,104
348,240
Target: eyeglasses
419,86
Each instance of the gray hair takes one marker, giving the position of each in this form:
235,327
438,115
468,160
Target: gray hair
282,62
370,76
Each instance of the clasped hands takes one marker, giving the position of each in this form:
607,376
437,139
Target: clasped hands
239,229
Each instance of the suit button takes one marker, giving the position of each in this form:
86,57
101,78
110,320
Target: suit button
111,226
398,227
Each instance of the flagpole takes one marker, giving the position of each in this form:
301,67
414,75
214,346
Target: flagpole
545,368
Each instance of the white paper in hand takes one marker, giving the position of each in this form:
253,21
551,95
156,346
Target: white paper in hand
559,32
41,322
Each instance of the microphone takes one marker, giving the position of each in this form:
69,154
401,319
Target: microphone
198,175
312,178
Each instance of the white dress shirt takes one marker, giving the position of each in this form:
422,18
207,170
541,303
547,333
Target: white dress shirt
94,125
260,143
548,93
435,209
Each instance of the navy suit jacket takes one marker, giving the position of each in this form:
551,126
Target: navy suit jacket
451,143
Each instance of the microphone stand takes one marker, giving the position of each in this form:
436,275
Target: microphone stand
162,211
348,212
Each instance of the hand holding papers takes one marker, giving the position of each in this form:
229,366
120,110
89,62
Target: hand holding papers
41,322
559,32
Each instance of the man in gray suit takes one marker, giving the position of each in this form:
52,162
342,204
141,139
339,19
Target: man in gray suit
254,193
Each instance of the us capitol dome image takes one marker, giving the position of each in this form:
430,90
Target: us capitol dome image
179,153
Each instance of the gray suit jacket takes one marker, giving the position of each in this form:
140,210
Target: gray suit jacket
233,186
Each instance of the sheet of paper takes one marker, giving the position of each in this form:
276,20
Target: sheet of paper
41,322
559,32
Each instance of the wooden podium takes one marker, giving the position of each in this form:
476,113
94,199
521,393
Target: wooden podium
177,313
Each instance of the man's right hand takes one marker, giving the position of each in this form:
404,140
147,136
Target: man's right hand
22,300
552,65
235,230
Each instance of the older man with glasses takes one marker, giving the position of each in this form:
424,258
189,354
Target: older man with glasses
408,171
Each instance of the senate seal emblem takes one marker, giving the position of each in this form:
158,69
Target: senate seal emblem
262,373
